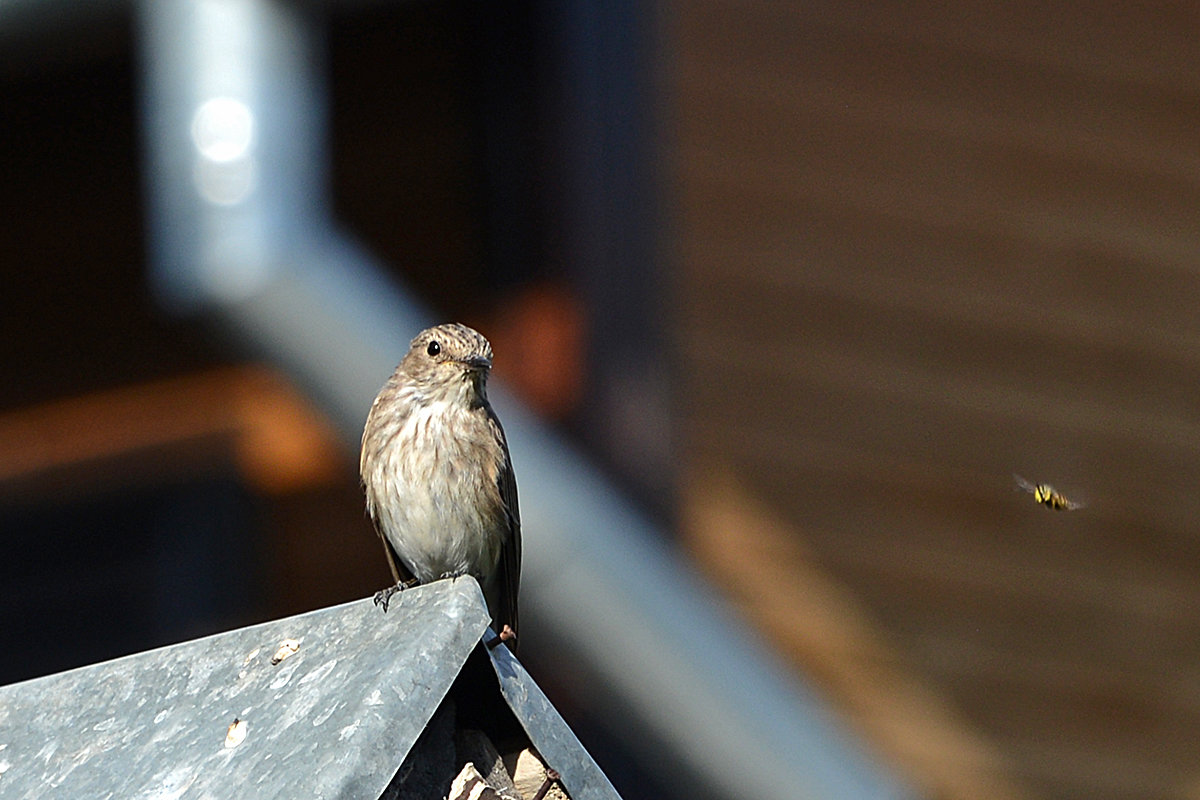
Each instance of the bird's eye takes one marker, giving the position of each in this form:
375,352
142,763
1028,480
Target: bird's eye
433,349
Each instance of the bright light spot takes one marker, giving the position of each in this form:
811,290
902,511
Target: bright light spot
223,129
225,183
225,172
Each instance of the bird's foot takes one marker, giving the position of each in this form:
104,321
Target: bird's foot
506,635
384,596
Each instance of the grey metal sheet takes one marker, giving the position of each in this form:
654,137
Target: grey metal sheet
333,720
549,732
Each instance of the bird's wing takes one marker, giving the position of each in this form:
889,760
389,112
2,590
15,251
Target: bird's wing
510,554
400,572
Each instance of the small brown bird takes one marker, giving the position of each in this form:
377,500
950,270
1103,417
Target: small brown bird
1047,495
437,473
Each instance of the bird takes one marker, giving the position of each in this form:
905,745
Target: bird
438,476
1047,495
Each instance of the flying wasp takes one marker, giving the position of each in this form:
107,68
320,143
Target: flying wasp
1047,495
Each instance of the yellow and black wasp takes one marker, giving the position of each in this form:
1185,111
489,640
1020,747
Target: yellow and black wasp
1047,495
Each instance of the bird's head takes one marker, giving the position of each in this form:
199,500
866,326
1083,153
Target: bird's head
449,361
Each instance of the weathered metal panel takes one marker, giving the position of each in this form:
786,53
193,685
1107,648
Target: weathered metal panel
548,731
334,719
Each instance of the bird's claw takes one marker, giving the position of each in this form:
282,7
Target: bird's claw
384,596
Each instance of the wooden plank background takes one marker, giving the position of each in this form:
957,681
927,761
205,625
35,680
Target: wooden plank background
919,249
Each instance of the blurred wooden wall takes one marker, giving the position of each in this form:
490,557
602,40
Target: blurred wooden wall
920,248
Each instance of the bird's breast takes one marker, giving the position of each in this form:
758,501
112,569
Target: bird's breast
433,488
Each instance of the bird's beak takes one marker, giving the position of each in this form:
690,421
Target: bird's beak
477,363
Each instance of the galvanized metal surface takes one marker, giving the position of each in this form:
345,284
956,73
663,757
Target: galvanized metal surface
334,719
549,733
